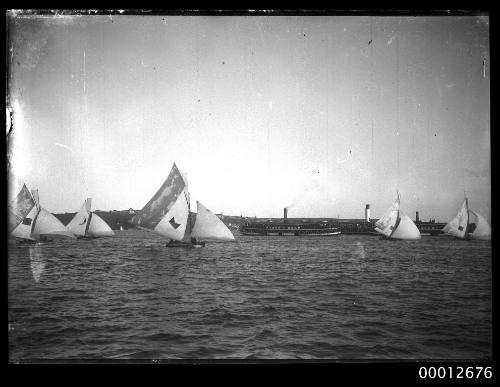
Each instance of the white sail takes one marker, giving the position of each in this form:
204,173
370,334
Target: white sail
386,224
209,226
405,229
458,225
482,230
78,225
98,227
48,224
174,222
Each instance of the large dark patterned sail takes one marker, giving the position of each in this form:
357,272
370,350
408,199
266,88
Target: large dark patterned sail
155,210
20,207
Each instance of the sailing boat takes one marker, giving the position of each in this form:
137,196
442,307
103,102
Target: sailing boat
39,224
468,224
395,224
19,208
168,214
87,224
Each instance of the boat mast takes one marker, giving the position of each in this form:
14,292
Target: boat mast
189,225
189,209
36,199
467,227
88,224
398,218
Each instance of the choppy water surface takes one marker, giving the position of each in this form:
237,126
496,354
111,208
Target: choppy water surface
346,297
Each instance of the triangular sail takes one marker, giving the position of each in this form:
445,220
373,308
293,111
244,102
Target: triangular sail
98,227
482,230
47,224
458,225
209,226
78,225
19,208
387,223
405,229
164,199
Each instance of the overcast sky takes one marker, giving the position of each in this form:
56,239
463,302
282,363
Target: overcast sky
322,114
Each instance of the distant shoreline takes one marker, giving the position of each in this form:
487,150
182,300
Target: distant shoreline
121,218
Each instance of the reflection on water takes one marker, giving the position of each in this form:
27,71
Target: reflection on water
360,250
37,261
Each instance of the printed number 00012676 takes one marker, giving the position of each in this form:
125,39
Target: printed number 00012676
456,372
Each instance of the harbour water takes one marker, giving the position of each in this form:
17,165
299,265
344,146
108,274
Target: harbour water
346,297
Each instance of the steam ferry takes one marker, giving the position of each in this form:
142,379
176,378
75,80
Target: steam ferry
289,228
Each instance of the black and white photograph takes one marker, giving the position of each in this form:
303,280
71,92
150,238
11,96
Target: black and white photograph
252,186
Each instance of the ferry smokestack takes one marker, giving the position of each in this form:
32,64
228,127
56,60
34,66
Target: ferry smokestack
285,215
367,213
417,219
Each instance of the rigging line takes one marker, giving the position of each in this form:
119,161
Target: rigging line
371,78
397,101
327,97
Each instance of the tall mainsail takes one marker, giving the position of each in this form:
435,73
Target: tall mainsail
209,226
86,223
167,213
19,208
482,230
395,224
459,224
98,227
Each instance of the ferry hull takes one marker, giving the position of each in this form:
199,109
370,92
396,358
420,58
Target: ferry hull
289,233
